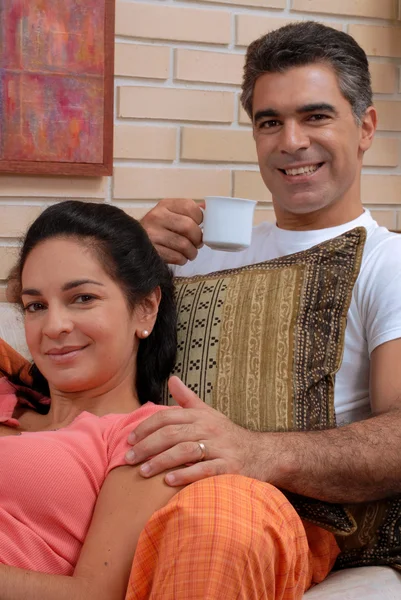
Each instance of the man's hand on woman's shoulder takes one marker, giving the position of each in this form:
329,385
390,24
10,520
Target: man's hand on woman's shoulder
196,439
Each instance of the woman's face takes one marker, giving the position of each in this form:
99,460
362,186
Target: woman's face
80,331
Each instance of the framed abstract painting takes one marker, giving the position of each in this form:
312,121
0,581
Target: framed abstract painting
56,86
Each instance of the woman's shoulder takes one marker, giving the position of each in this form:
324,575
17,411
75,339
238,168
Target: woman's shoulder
116,423
136,416
120,426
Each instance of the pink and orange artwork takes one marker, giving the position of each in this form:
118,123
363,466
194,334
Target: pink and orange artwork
55,93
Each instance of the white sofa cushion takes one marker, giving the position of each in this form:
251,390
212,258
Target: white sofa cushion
364,583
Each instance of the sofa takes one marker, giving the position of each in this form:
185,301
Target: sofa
367,583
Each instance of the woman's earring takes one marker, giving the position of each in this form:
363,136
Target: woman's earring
145,333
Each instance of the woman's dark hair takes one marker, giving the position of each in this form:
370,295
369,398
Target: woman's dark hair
129,258
306,43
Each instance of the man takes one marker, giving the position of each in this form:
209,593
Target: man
307,90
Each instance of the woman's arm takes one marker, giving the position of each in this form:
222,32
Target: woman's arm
126,501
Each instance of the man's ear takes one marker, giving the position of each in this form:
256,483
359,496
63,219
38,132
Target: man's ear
147,309
368,128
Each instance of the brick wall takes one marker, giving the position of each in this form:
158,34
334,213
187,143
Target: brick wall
179,128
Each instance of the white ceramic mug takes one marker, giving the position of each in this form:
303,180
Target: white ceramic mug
227,223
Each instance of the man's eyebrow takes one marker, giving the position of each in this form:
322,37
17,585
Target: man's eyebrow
70,285
268,112
306,108
317,106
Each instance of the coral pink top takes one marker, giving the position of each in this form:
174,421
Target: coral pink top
49,483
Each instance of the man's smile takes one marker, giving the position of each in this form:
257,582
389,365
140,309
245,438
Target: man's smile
299,174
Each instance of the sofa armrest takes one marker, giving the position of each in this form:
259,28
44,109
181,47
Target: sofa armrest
363,583
12,328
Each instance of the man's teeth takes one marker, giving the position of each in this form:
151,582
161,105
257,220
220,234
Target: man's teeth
302,170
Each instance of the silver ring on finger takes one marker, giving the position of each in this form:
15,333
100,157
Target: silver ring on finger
202,448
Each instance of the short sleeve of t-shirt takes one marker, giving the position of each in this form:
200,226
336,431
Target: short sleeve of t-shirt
378,289
117,444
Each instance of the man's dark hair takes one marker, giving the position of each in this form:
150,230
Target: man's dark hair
305,43
127,255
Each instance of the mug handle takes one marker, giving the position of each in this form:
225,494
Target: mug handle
203,213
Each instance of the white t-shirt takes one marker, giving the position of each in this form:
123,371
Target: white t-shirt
374,316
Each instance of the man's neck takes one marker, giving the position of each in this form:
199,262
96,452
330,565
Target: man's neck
321,219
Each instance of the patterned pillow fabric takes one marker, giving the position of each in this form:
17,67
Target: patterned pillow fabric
262,344
377,538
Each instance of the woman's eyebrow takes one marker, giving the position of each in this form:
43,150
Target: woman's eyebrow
70,285
73,284
30,292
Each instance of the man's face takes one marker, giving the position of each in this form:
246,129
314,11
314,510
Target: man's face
309,146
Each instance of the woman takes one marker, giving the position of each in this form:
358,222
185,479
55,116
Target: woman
100,325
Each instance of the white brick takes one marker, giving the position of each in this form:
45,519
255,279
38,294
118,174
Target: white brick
263,212
136,60
377,41
220,145
156,183
261,3
213,67
385,152
385,218
385,9
145,142
384,77
175,104
250,27
381,189
52,187
160,22
14,220
249,184
389,115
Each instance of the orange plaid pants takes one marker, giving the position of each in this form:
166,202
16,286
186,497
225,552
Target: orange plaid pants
229,537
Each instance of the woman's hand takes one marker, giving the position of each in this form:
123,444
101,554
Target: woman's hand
171,438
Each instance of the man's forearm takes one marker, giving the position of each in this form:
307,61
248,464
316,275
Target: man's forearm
354,463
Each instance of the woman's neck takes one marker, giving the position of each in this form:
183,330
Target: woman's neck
65,407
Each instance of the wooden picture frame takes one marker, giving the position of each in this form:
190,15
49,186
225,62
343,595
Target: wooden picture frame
93,86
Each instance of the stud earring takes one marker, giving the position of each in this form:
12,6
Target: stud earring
145,333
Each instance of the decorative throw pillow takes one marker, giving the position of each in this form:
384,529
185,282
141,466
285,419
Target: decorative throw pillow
262,344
